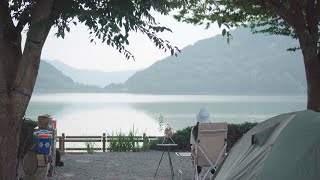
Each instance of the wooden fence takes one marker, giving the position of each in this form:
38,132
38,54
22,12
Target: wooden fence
62,140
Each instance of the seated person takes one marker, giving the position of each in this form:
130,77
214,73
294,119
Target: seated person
202,117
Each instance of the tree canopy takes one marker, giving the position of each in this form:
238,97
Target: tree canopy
281,17
108,20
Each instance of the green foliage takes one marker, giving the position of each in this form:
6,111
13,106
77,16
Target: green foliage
287,17
229,13
29,123
123,142
161,121
26,136
127,142
146,144
236,131
89,146
182,137
109,21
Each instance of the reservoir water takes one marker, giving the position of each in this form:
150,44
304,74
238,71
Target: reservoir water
97,113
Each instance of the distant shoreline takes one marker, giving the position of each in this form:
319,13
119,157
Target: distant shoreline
173,94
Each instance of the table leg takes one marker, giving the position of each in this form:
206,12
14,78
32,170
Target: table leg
171,167
159,164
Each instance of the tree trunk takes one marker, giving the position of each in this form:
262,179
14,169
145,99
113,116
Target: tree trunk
11,110
311,57
312,67
10,56
10,124
18,72
8,140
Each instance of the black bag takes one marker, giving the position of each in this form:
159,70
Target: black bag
58,158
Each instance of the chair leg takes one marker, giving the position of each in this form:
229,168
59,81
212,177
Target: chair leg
196,175
208,171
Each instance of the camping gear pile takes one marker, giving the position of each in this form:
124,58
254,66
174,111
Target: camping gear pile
40,160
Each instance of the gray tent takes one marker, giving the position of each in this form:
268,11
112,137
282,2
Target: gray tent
285,147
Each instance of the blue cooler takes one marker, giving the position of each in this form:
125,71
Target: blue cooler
44,143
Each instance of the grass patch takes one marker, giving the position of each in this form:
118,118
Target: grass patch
122,142
89,146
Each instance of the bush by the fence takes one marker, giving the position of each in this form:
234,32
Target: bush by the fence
182,137
26,136
236,131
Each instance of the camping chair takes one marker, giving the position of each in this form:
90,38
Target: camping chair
210,147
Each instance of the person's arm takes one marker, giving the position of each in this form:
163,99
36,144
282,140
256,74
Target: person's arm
193,150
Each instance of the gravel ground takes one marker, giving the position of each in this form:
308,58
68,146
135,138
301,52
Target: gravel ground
122,165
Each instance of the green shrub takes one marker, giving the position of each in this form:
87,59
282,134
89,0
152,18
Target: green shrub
236,131
26,136
146,144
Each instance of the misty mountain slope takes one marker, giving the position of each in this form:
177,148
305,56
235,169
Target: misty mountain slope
92,77
52,80
250,64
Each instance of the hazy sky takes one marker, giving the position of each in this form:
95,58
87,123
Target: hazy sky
76,49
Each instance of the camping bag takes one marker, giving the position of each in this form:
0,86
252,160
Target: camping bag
44,143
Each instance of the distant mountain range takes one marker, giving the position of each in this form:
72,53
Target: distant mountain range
92,77
52,80
250,64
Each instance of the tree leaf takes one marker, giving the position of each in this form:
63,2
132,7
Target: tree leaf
224,32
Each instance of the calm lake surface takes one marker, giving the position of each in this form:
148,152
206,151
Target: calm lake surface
96,113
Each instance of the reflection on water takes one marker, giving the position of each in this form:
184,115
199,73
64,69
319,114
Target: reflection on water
95,113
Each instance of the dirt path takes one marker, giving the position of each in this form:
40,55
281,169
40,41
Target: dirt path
122,165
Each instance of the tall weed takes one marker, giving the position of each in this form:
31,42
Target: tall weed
89,146
120,142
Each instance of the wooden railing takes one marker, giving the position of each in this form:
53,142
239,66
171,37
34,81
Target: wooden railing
62,140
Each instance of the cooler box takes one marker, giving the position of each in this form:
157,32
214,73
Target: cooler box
44,143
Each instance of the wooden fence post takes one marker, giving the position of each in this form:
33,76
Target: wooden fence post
104,142
60,144
63,147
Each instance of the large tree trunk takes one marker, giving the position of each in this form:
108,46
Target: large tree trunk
311,57
18,72
312,67
10,56
9,139
10,122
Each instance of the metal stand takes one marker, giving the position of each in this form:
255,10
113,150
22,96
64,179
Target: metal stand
166,147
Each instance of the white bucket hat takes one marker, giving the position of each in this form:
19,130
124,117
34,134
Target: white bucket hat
203,116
